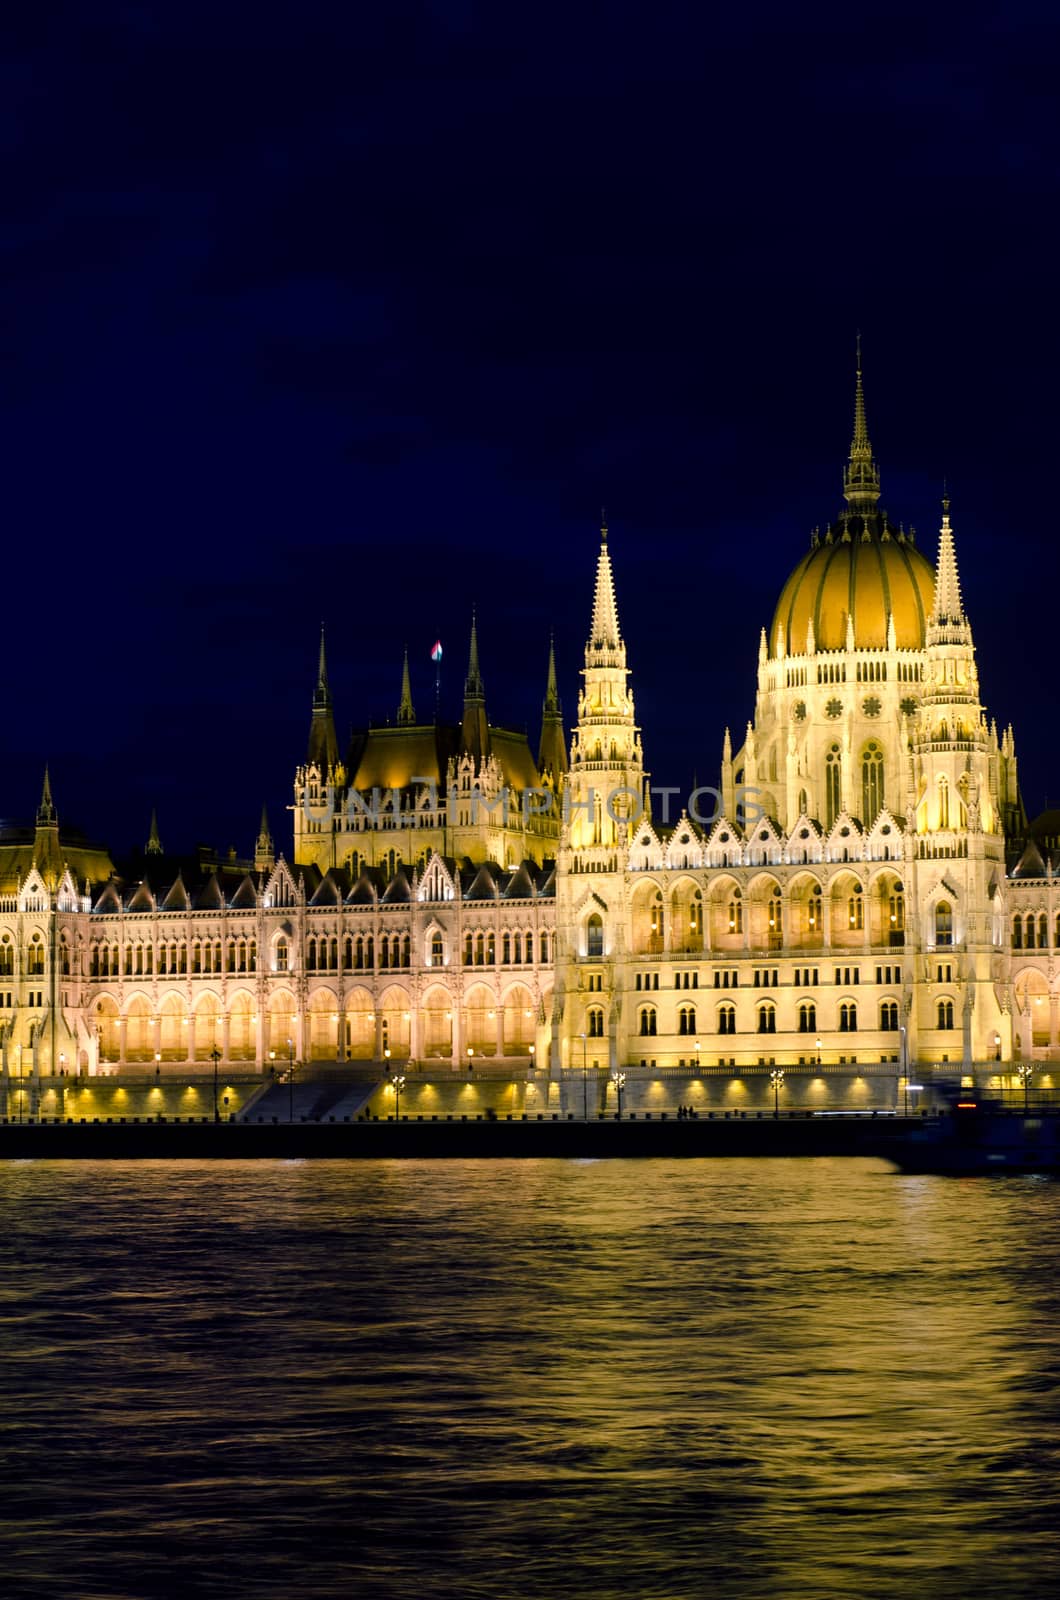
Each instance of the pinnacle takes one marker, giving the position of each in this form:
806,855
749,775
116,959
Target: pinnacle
604,633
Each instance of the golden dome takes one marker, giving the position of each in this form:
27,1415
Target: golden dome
862,569
866,574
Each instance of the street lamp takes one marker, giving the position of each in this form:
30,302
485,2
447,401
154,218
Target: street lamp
818,1052
1026,1072
470,1058
290,1080
997,1047
533,1053
399,1084
619,1081
776,1078
585,1082
215,1056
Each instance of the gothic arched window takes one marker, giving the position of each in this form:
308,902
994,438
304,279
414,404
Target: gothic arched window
832,785
848,1017
594,935
727,1019
807,1017
595,1029
943,923
945,1013
767,1019
686,1020
871,783
648,1022
889,1016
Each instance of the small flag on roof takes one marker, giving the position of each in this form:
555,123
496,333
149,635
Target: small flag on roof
436,653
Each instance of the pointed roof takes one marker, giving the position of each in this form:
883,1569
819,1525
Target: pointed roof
552,706
473,685
604,633
861,479
263,831
323,744
948,606
46,813
406,713
153,847
552,750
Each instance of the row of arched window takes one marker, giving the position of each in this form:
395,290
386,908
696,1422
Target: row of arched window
766,1018
1030,931
105,960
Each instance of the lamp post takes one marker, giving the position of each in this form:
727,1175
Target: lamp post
1026,1072
290,1080
818,1052
470,1059
776,1078
619,1081
21,1091
997,1047
215,1056
399,1084
904,1064
585,1082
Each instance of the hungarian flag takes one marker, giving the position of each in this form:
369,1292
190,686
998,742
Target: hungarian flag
436,653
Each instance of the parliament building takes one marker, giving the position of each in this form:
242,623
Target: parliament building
859,889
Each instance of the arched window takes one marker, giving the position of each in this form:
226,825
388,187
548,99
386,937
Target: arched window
491,950
695,916
856,909
594,935
281,955
544,948
808,1017
815,917
686,1020
1017,932
776,921
889,1016
595,1020
896,910
311,956
347,953
943,923
506,949
1043,931
832,785
647,1021
848,1017
1030,931
871,783
727,1019
767,1019
736,912
945,1013
517,949
437,950
944,801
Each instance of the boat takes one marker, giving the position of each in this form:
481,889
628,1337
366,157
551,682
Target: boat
976,1136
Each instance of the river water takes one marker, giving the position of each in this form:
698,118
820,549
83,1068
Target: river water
648,1380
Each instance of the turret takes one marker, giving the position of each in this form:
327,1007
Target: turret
47,856
264,854
552,754
323,750
153,847
474,732
406,715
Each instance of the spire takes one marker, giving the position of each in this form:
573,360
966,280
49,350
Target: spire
153,847
474,685
947,606
323,744
604,634
552,753
264,857
474,732
861,480
46,817
406,713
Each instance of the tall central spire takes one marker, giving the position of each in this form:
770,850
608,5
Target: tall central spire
323,744
861,479
475,733
406,711
604,634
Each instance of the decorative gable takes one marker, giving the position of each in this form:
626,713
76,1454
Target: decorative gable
436,883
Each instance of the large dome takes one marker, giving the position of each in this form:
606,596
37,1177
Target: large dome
862,569
866,573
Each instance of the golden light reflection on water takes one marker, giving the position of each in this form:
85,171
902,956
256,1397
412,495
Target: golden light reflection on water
786,1378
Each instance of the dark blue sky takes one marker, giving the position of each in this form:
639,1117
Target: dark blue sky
360,313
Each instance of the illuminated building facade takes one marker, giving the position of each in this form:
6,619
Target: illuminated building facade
866,891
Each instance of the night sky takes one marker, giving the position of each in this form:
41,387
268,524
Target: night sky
360,313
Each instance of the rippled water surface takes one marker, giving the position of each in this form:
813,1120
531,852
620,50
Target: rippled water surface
656,1379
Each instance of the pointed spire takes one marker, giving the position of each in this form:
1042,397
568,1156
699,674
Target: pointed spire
406,713
473,685
604,634
323,692
46,817
861,480
153,847
552,752
948,607
323,743
474,733
264,855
